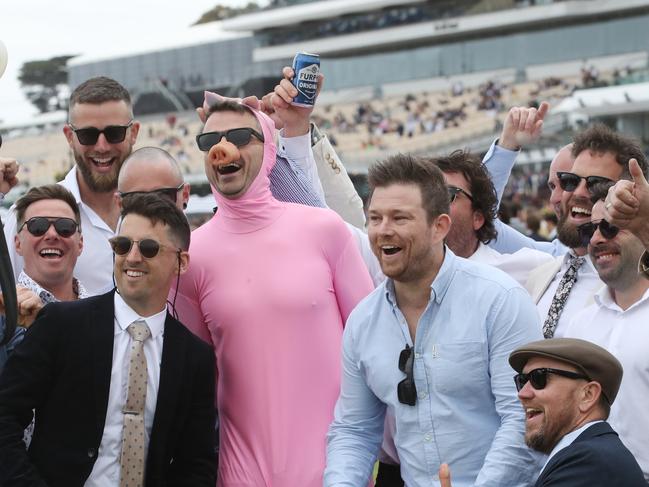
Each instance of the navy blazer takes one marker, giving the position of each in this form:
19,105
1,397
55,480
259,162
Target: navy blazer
597,457
62,370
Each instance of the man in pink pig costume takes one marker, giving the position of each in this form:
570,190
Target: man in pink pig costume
270,286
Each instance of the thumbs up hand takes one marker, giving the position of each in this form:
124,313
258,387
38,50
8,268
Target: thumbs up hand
627,204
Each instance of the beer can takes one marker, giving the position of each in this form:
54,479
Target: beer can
306,68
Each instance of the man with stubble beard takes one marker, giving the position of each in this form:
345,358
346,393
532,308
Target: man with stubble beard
568,284
101,133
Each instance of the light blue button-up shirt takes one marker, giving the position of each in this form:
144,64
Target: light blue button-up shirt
467,413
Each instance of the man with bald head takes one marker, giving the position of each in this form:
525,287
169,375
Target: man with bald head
153,170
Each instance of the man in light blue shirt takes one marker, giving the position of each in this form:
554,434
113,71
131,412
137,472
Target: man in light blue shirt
430,346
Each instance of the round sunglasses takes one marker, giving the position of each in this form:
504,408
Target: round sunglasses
114,134
586,231
238,136
148,247
538,378
39,225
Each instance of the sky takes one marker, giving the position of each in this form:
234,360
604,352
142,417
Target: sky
41,29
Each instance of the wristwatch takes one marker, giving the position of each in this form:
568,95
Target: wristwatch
643,265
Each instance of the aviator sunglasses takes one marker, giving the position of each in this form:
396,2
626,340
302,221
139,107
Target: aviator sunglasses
406,390
114,134
454,190
569,182
169,193
586,231
149,248
538,378
239,137
39,225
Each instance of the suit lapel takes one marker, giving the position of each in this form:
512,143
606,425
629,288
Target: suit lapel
171,373
102,326
541,277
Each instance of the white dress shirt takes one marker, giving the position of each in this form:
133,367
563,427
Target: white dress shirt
581,294
106,470
624,333
94,266
518,265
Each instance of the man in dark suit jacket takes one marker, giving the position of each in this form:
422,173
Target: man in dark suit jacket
567,387
75,369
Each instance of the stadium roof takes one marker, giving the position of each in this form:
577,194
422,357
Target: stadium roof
184,37
289,16
612,100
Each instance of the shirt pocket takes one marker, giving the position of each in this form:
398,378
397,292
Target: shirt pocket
459,367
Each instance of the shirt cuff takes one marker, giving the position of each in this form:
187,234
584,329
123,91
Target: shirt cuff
499,148
294,148
643,265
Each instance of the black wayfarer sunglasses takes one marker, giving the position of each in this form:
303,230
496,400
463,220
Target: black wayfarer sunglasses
149,248
239,137
538,378
114,134
38,226
586,231
570,181
454,190
406,390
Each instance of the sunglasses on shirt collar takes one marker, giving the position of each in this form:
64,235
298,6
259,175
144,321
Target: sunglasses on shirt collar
114,134
238,136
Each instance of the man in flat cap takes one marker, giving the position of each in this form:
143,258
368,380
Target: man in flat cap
567,387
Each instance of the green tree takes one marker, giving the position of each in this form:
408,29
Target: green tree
43,80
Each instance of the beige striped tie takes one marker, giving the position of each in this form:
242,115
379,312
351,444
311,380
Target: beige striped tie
132,458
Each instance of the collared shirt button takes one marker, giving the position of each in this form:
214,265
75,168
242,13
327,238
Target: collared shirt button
422,394
428,437
417,355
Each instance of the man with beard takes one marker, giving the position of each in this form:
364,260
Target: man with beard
567,387
617,321
101,133
564,286
430,346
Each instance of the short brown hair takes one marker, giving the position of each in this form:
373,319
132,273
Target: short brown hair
480,185
600,139
408,169
159,209
100,89
46,192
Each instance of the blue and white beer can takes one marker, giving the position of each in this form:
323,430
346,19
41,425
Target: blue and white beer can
306,68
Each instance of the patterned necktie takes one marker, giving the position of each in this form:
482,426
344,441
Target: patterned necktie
561,296
132,457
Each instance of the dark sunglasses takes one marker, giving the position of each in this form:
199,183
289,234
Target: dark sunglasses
89,135
539,377
39,225
239,137
454,190
569,182
406,390
149,248
586,231
169,193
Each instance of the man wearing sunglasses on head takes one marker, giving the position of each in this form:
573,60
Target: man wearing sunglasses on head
566,285
617,321
49,240
567,388
430,347
123,393
101,133
270,287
